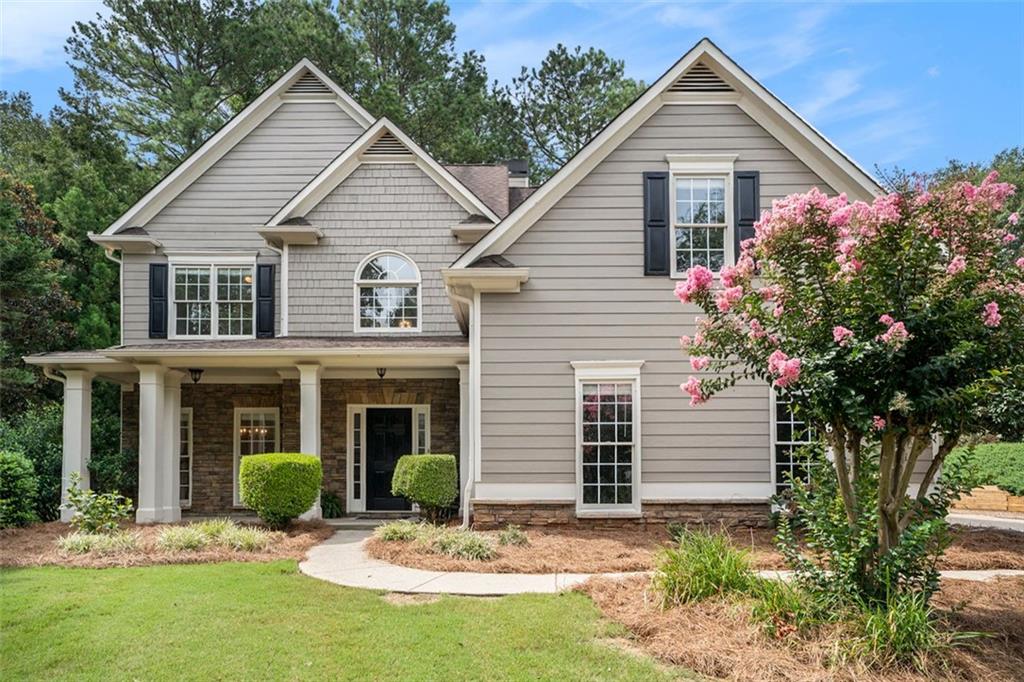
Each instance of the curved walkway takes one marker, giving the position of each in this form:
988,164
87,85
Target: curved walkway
341,559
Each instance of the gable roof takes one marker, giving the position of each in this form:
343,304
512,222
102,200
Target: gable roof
703,75
302,81
383,141
487,181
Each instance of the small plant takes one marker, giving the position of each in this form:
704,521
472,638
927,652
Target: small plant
513,535
463,544
703,565
97,543
331,506
245,539
399,531
431,481
280,486
18,488
182,539
214,529
95,512
781,608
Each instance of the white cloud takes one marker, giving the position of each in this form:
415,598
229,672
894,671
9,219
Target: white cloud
933,72
32,33
835,87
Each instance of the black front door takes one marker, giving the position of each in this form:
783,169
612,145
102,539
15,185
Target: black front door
388,437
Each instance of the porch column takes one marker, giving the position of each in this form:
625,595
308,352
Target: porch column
170,474
464,435
77,432
152,444
309,421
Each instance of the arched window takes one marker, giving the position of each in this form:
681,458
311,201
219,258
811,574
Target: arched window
387,292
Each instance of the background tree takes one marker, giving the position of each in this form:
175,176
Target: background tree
566,102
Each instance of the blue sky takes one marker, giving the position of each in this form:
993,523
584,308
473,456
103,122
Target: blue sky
910,84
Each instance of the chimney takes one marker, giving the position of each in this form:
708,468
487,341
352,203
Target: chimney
518,172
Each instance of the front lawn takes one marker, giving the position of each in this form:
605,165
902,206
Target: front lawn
267,621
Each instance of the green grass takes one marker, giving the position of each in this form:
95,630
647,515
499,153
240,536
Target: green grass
266,621
999,464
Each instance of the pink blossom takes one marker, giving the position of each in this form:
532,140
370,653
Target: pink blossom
896,336
777,312
685,341
699,362
886,320
878,423
757,331
727,297
698,280
887,208
695,390
1020,262
991,316
956,265
1009,238
1014,218
786,369
842,335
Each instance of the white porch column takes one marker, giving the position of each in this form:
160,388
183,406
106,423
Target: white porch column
77,432
152,444
464,432
309,421
170,475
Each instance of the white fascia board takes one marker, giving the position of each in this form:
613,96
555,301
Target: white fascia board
223,140
701,163
345,163
487,280
756,101
127,243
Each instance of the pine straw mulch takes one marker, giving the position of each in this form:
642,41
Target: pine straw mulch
717,639
569,550
36,545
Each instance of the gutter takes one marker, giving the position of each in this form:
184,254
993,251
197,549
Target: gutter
474,369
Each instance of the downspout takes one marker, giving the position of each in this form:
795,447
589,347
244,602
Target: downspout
109,253
283,253
470,473
48,373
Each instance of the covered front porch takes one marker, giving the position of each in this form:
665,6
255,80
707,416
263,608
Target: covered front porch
191,410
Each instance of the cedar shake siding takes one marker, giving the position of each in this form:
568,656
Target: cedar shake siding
213,407
588,299
380,206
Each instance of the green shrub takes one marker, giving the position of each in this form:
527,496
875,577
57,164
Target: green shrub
399,531
188,538
245,538
431,481
463,544
38,434
331,506
18,487
780,608
513,535
97,543
115,471
703,565
93,512
214,529
999,464
280,486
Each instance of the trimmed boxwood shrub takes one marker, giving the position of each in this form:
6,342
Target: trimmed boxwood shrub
18,486
431,481
279,486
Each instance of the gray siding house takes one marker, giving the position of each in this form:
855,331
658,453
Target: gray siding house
311,280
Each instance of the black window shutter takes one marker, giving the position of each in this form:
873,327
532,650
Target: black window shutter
657,254
748,205
157,300
265,301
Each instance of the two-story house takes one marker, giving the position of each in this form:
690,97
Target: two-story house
311,280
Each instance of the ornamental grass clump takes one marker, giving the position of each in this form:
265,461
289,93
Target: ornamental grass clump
463,544
101,544
702,565
183,539
245,538
513,535
400,531
214,528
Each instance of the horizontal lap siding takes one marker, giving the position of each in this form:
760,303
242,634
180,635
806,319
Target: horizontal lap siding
587,299
379,206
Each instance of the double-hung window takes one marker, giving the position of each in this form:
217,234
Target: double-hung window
213,300
387,294
256,432
701,209
608,438
789,457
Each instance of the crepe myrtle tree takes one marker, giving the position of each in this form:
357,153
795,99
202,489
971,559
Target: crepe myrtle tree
883,323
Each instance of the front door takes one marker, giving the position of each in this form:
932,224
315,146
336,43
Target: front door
388,437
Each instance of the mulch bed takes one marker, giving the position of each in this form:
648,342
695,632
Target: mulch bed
36,545
717,639
567,550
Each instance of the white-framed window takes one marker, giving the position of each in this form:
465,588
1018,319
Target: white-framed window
607,438
358,456
387,294
257,430
701,207
213,299
185,458
789,434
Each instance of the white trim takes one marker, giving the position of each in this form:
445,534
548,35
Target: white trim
773,428
213,265
619,372
345,163
707,492
353,505
809,145
225,139
357,282
691,168
276,411
475,385
698,164
186,503
525,492
284,289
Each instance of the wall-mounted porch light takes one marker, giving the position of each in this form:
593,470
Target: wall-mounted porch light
381,371
196,375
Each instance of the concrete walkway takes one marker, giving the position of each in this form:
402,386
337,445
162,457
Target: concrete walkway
341,559
983,520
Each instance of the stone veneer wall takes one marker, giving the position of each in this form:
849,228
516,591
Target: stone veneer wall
498,514
213,408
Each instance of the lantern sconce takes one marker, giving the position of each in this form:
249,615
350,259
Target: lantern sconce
196,375
381,371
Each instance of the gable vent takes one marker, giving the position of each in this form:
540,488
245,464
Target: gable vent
308,84
700,78
386,145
